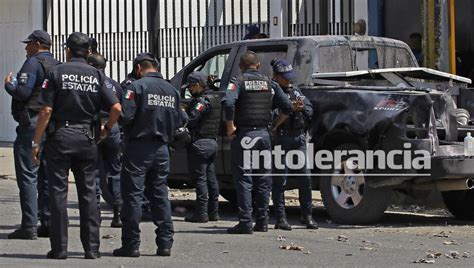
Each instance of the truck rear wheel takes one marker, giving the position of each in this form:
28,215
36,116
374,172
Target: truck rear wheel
460,203
348,198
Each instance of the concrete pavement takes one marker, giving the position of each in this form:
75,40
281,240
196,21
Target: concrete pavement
397,241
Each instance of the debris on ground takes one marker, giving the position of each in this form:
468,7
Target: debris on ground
452,242
225,251
281,238
428,261
370,243
306,252
292,246
433,255
368,248
466,255
219,242
441,234
342,238
108,236
452,254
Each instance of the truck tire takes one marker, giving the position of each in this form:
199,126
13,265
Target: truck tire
460,203
346,196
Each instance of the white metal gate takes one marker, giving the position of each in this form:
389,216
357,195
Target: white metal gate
119,26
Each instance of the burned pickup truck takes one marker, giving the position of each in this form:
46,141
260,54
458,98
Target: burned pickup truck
371,98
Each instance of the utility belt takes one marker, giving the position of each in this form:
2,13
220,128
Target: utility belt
23,116
249,128
290,132
87,128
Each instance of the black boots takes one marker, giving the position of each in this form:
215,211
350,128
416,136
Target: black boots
197,217
307,219
56,255
201,214
116,222
261,226
123,252
24,233
163,252
240,229
283,224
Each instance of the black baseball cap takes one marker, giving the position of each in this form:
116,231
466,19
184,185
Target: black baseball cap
38,36
77,41
284,68
195,77
145,56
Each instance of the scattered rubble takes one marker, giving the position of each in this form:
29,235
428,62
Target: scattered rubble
281,238
292,246
428,261
452,242
441,234
108,236
342,238
368,248
452,254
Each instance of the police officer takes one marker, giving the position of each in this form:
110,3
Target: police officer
151,113
250,98
291,135
71,96
24,89
109,149
204,117
132,76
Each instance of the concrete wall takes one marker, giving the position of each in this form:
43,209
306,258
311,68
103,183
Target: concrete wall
18,18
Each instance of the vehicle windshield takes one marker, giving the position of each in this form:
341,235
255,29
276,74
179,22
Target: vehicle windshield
343,58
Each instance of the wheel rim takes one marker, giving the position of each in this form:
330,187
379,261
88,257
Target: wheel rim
347,185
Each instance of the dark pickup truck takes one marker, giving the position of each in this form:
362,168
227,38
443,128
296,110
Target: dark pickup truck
368,94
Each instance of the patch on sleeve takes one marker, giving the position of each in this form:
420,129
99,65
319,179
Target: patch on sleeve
23,79
199,107
45,84
231,87
129,95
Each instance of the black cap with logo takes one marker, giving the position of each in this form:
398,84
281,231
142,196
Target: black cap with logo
38,36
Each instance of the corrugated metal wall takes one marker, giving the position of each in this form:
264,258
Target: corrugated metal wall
119,26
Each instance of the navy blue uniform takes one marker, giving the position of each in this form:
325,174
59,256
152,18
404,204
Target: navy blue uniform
109,151
201,153
25,111
151,113
76,91
250,98
291,135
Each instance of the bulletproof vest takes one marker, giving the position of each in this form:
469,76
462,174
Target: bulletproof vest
253,108
212,123
32,102
296,120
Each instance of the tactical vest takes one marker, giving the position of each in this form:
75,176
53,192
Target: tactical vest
212,123
32,102
296,121
253,108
